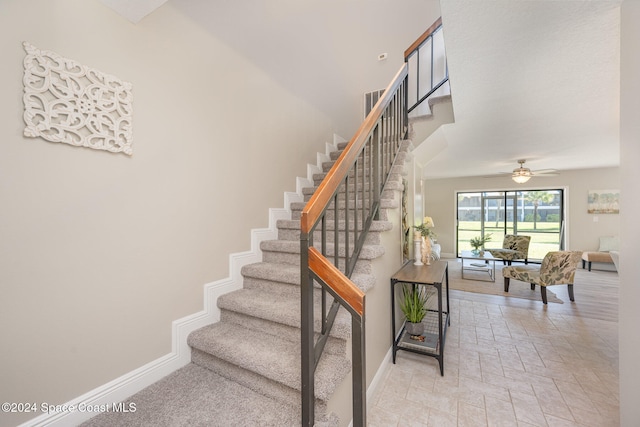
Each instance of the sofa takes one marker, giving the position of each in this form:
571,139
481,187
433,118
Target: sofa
608,244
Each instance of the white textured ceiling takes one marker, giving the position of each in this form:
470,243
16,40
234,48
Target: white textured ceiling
134,10
535,80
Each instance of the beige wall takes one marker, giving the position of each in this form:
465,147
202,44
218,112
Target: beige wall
582,232
101,252
629,315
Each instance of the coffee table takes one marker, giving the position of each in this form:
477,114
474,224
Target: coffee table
479,261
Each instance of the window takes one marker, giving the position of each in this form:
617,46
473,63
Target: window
535,213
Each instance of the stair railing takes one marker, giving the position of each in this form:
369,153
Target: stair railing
426,44
345,204
335,223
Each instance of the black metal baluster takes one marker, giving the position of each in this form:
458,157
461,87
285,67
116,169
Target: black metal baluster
323,301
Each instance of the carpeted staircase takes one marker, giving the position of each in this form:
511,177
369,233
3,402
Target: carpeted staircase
245,369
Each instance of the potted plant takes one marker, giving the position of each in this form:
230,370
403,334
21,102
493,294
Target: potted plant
478,242
414,306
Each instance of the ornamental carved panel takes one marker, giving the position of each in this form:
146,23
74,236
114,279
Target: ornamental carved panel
68,102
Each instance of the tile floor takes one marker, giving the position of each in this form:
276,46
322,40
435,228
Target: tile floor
506,366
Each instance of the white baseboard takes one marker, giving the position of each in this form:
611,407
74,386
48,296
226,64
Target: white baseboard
127,385
377,380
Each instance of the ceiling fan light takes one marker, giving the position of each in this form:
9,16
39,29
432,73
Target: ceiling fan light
521,175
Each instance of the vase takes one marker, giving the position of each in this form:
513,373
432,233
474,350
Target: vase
426,250
414,328
417,248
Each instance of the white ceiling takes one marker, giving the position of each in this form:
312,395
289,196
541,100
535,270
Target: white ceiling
134,10
535,80
530,79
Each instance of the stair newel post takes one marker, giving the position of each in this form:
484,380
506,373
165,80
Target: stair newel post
359,378
306,332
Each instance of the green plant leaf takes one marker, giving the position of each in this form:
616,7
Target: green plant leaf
414,303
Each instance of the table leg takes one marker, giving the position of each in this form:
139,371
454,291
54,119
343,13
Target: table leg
440,330
393,319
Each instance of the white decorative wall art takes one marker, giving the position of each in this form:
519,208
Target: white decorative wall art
68,102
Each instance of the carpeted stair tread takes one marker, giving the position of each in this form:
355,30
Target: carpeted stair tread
290,230
335,345
196,396
284,273
307,192
279,308
377,226
289,273
385,203
293,247
271,357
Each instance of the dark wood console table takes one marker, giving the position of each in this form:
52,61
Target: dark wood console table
436,321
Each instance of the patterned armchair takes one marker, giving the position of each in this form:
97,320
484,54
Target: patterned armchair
513,248
557,268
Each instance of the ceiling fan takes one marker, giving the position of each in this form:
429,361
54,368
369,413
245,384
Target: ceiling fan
522,174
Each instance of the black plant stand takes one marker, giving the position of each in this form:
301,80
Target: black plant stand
436,321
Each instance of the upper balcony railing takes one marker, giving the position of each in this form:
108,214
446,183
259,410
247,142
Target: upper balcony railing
333,228
428,71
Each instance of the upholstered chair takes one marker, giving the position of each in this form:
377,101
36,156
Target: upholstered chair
513,248
557,268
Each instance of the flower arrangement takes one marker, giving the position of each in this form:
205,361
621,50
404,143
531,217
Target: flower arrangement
478,242
425,228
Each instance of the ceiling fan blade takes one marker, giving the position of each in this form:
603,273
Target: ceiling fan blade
546,172
522,170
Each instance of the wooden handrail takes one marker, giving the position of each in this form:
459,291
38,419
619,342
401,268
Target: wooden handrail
422,38
349,292
321,198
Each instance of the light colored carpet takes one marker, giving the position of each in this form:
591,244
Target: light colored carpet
195,396
484,285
